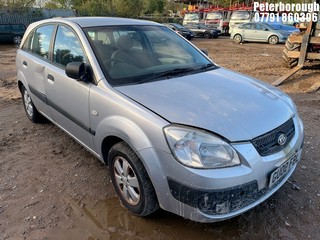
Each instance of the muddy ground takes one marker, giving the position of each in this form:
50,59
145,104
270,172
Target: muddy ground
52,188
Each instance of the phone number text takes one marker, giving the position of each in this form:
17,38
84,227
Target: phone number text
286,17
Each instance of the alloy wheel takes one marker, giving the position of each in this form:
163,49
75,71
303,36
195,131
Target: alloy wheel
126,180
28,103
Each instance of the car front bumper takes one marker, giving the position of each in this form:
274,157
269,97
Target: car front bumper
283,39
210,195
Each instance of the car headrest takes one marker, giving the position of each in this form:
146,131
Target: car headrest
124,42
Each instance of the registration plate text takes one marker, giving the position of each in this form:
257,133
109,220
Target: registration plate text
281,171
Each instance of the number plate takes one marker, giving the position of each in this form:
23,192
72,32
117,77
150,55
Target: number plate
277,174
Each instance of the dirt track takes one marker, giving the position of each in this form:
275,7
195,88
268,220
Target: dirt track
51,188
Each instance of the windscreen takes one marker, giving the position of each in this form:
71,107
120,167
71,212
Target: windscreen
138,54
214,16
241,15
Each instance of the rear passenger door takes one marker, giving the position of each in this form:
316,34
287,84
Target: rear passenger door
67,97
248,32
261,32
33,61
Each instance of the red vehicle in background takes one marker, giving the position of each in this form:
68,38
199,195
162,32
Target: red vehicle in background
218,18
213,16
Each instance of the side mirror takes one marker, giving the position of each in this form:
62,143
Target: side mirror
266,29
79,71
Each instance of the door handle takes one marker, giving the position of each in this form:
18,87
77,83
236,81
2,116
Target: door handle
25,63
50,77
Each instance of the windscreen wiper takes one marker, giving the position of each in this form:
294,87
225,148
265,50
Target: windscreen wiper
167,74
178,72
206,67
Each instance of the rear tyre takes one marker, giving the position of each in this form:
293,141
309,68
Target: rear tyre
237,38
131,181
17,39
273,39
31,110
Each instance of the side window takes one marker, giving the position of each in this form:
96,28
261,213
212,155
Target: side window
40,42
18,27
67,47
4,28
259,27
247,26
28,43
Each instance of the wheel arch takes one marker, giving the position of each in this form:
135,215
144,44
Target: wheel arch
20,84
114,129
22,81
107,143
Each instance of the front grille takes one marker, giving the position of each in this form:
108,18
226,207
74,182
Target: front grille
267,144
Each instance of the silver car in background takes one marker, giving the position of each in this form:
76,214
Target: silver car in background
176,130
260,32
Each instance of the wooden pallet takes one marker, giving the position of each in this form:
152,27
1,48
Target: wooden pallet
302,55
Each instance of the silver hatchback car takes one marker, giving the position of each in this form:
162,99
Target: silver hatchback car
176,130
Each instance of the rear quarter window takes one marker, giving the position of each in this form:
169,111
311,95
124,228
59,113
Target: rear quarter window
4,28
38,41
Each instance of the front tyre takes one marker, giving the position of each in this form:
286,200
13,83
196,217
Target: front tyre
131,181
31,111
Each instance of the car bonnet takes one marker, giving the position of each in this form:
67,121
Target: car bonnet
229,104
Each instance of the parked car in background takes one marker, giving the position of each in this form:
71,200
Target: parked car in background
275,21
12,32
183,31
201,30
176,130
278,24
284,28
258,32
239,17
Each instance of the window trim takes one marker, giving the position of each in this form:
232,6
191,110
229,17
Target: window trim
32,33
52,41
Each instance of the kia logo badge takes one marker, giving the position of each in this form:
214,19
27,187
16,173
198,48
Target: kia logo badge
282,139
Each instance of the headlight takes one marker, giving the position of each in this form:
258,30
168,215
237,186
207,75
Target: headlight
198,149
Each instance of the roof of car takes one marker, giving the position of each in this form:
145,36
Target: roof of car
103,21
